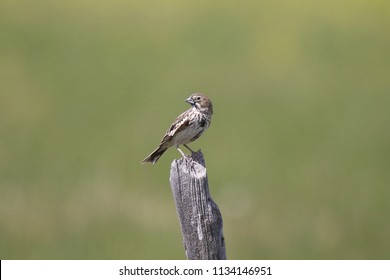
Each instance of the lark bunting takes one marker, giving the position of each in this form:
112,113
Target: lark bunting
187,127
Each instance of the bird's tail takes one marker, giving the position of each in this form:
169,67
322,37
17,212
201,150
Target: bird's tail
155,155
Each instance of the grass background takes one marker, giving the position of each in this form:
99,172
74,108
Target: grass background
298,153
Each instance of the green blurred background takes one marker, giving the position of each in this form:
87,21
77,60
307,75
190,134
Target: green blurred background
298,153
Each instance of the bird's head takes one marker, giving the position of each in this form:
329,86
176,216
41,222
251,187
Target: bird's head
201,102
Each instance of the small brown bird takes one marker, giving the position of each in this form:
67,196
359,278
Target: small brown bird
187,127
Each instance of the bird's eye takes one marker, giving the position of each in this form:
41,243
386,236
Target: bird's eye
198,98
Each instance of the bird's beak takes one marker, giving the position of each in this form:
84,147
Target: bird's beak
189,100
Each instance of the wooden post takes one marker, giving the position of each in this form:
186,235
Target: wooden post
200,218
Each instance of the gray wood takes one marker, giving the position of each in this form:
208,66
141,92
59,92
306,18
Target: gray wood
200,218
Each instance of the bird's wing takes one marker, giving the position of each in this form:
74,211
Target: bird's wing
180,123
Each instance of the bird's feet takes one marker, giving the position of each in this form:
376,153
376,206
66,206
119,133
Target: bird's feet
187,158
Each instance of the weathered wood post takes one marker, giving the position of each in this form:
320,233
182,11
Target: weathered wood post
200,218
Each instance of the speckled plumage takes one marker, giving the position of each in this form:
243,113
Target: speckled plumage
186,128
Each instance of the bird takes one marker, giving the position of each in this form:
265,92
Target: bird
187,127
